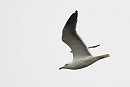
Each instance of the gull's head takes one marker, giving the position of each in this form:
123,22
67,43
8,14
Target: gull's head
66,66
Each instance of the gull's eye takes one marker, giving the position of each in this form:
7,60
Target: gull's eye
66,64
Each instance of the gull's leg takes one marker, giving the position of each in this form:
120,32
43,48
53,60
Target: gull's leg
94,46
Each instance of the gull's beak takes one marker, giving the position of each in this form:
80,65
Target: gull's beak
61,68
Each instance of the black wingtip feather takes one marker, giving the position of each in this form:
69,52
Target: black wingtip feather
73,18
76,12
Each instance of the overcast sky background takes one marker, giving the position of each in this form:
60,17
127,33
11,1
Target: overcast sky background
31,50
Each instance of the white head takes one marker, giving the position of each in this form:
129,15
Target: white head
66,66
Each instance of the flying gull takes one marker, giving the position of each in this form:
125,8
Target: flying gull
81,56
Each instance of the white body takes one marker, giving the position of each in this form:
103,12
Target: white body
82,62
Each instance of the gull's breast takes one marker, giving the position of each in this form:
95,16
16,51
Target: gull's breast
83,62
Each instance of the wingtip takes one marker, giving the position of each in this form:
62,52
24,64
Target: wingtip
76,11
72,18
75,14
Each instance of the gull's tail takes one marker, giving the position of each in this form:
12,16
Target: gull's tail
106,55
103,56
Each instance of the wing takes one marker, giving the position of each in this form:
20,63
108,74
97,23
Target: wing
70,37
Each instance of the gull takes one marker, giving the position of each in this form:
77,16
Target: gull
81,56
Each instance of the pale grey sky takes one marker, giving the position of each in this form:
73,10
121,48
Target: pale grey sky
31,50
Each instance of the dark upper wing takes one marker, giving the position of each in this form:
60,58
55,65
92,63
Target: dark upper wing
70,37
